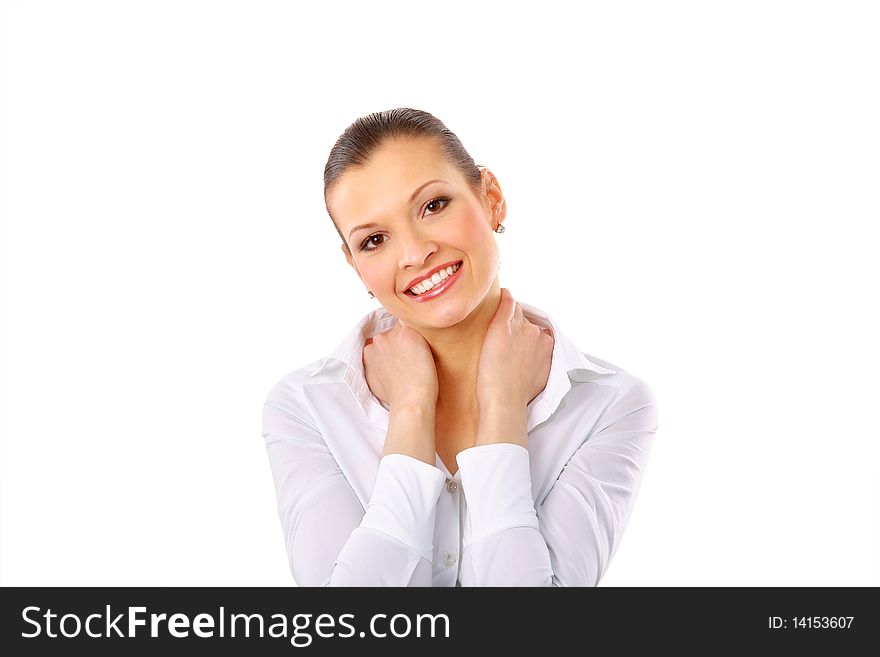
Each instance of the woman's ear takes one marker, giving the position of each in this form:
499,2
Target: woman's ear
493,194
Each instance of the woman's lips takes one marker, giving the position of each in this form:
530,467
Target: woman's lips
438,289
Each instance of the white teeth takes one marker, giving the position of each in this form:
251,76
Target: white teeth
428,283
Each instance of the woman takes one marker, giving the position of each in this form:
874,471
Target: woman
456,437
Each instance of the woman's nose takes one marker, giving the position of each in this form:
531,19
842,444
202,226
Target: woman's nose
416,250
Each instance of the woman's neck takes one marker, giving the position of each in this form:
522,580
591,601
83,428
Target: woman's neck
456,352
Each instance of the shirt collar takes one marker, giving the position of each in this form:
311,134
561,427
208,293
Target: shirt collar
568,365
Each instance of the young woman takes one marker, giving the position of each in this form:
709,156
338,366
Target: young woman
456,437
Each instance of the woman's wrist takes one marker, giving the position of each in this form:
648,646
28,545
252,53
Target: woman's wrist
411,428
414,399
502,422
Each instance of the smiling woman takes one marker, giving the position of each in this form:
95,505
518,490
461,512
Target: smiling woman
456,437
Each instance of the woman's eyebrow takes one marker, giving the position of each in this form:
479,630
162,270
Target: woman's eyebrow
421,187
411,199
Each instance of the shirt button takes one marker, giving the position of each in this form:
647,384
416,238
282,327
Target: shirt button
449,559
451,486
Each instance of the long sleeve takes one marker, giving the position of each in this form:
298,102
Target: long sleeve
331,539
570,537
504,546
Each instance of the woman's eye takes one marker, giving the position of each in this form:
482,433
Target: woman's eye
434,202
367,242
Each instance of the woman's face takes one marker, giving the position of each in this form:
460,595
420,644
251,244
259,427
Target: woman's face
422,214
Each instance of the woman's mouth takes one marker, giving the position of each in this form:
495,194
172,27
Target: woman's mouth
422,292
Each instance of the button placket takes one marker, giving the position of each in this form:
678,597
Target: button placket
449,557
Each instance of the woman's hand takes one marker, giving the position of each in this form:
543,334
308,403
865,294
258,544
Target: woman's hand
515,360
400,368
400,371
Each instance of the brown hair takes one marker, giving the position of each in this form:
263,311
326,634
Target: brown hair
363,137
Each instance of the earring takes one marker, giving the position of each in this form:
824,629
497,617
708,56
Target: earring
372,296
500,228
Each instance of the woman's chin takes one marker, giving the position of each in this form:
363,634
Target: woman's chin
436,315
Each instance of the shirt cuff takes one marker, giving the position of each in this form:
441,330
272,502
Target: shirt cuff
404,501
497,486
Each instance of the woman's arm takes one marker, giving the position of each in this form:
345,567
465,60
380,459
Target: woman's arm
330,539
570,538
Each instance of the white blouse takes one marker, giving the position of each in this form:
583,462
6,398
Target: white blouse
549,515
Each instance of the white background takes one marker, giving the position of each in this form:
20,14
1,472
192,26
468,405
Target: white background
693,195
